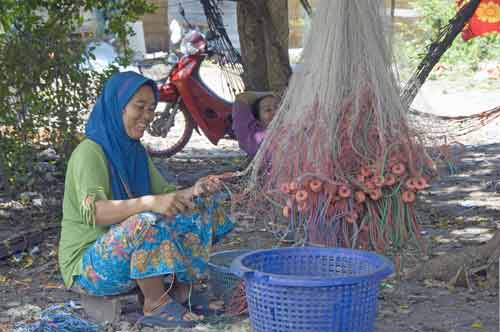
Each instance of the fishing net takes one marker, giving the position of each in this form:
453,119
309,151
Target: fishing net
441,43
442,133
453,127
228,58
340,165
57,318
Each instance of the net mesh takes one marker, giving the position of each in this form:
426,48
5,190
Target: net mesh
228,58
340,165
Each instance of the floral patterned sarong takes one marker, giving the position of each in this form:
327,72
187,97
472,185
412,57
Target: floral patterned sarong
148,245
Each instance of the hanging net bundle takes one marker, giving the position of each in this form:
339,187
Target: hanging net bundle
228,58
340,165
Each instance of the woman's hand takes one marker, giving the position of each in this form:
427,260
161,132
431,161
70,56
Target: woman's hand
170,204
206,185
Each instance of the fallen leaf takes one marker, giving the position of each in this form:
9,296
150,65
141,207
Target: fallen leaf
478,222
440,239
443,224
430,283
3,280
28,262
22,282
483,284
52,285
404,309
385,285
477,325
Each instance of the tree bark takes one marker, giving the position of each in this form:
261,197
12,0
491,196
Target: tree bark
263,30
453,267
252,44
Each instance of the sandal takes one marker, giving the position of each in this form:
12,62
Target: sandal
199,303
172,309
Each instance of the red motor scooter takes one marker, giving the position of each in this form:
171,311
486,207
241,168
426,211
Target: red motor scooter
190,103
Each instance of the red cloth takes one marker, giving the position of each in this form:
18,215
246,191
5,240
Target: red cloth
485,20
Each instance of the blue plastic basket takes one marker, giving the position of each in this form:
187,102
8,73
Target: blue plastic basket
222,281
312,289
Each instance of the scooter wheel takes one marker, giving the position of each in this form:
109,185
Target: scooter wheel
177,137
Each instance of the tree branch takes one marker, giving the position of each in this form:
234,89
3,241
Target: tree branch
436,50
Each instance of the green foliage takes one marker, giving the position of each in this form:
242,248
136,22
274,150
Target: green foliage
42,81
17,159
462,58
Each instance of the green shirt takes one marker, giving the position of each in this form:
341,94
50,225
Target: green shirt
87,180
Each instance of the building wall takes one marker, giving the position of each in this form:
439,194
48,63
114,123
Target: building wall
89,26
156,25
196,16
156,32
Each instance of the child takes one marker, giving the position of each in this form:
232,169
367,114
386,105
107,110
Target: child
252,113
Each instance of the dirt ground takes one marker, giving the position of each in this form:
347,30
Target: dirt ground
461,209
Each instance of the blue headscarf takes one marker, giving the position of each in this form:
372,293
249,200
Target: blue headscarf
127,158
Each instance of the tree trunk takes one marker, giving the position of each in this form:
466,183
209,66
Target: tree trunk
252,44
457,267
263,31
276,33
